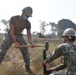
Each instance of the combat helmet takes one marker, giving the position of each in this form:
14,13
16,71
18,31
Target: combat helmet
28,11
69,32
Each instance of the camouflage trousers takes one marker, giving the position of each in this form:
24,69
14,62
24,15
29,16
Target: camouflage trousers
64,72
6,44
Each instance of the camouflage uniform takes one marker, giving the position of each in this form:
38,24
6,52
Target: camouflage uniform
68,50
62,72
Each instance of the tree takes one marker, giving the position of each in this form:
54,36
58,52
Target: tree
53,27
42,28
63,24
6,23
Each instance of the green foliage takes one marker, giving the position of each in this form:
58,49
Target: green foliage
6,23
63,24
42,27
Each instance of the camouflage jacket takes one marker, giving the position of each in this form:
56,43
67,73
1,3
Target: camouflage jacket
68,50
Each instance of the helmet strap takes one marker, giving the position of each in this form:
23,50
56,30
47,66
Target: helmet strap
69,37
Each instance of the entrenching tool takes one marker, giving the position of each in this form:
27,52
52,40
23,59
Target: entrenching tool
44,57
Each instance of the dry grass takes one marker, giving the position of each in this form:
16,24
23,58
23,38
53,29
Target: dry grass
13,63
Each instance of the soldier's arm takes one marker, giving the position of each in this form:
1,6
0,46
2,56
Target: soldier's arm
30,38
29,35
53,56
12,33
57,53
59,67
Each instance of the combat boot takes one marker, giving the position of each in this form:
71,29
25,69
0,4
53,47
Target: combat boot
29,71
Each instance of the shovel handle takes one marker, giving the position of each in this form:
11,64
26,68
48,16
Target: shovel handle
25,46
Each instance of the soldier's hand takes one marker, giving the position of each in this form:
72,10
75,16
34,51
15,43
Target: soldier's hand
16,44
44,63
32,45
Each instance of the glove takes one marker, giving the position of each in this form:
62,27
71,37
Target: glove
16,44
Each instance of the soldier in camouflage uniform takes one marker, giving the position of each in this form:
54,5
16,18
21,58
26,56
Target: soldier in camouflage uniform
17,24
68,50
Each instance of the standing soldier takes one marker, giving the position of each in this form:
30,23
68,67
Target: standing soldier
17,24
68,50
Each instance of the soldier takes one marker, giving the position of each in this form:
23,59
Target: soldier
17,24
68,50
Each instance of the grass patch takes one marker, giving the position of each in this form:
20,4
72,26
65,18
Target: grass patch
13,63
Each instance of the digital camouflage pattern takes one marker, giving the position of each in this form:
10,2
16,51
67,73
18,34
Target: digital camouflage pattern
62,72
7,42
68,50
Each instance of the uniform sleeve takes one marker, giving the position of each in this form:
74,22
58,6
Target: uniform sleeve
57,53
60,67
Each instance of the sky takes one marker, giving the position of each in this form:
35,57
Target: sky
44,10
